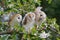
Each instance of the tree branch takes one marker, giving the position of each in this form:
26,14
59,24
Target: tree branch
9,32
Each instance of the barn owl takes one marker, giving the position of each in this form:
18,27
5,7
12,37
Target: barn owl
15,19
28,21
40,16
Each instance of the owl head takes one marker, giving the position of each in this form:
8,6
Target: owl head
29,17
17,18
40,16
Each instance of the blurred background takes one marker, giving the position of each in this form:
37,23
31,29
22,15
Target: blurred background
52,9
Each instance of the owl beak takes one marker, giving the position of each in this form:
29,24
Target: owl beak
40,18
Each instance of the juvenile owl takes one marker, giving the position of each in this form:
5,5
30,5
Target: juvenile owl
28,21
40,16
15,19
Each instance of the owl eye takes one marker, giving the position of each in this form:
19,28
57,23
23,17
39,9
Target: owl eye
40,15
18,17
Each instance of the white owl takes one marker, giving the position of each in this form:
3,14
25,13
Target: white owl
15,19
28,21
40,16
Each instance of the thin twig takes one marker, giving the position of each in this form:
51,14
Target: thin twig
9,32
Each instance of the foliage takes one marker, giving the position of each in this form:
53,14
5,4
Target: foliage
24,6
52,9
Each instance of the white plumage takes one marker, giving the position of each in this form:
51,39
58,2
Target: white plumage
28,21
15,19
40,16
